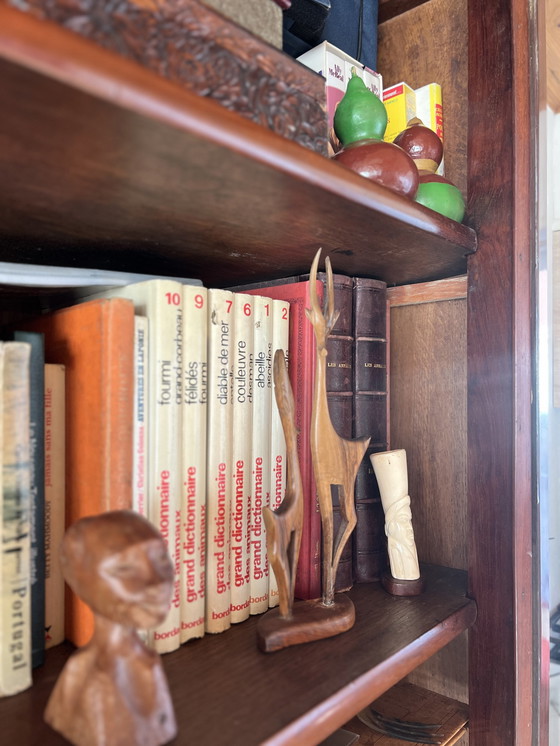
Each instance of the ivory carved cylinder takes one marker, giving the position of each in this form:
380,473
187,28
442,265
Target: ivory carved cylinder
390,469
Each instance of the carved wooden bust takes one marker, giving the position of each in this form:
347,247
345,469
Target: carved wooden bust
113,691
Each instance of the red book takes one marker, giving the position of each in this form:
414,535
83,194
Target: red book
301,365
95,342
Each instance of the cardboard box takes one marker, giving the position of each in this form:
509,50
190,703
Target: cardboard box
335,66
429,109
400,102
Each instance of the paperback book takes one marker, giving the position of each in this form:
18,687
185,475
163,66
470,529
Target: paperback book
193,508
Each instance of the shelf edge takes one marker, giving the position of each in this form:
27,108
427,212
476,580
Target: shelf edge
332,714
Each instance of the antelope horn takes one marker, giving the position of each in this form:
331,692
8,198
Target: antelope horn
331,314
315,307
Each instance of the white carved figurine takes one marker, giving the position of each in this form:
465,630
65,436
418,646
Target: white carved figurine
392,477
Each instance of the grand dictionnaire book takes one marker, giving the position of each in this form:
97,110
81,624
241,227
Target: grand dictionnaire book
193,507
241,457
218,462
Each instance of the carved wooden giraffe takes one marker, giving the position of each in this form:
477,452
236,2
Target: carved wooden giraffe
284,525
335,460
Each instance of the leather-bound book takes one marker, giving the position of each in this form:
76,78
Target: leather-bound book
370,417
340,410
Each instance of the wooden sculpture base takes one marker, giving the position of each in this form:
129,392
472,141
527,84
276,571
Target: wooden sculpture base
310,621
398,587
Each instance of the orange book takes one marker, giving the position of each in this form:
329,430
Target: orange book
95,342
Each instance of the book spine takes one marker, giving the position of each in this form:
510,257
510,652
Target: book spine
261,464
280,341
15,582
37,490
219,468
340,410
55,501
94,340
162,302
140,433
370,418
193,509
242,442
302,377
116,387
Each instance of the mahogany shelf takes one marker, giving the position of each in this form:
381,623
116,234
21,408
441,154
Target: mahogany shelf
226,692
99,154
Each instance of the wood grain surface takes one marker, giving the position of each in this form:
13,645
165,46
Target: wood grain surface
501,171
428,387
226,692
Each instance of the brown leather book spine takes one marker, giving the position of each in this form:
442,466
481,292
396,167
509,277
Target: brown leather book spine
370,417
340,410
339,381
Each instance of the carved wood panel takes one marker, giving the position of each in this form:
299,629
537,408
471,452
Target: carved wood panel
189,43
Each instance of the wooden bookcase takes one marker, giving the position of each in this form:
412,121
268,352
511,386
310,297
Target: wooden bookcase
105,163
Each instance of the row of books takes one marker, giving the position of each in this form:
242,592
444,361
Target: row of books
32,502
184,376
151,365
357,392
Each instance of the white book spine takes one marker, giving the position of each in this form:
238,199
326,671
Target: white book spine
165,415
280,338
195,408
140,437
15,581
55,500
260,491
241,456
218,477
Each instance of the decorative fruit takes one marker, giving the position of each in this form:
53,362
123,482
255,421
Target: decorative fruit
441,195
423,146
359,114
382,162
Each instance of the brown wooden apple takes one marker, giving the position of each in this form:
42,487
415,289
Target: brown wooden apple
423,145
383,162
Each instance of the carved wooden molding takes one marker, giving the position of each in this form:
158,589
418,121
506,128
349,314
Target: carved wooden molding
189,43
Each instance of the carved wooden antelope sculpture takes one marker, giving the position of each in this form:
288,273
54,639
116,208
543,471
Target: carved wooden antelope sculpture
335,459
284,525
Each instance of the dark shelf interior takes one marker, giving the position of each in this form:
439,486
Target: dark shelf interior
227,692
99,154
